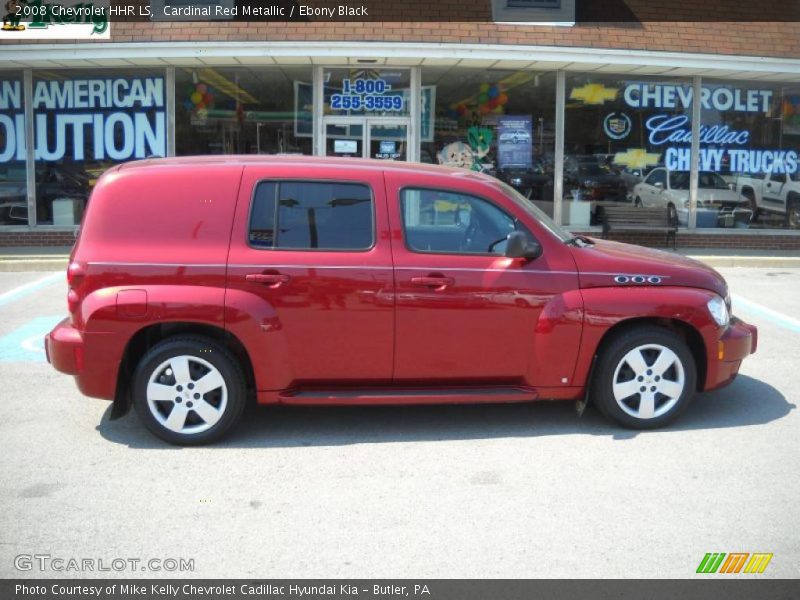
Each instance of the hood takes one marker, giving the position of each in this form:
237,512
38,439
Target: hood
599,265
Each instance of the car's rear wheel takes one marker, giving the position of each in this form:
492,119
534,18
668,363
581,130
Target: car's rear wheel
751,199
793,211
189,390
644,377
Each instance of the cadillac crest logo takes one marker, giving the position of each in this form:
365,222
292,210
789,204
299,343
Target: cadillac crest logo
617,125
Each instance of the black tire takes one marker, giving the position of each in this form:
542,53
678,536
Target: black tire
612,356
751,198
229,399
793,211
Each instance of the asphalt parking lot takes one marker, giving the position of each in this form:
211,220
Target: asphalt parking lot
479,491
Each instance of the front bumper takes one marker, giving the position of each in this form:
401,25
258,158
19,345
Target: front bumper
739,341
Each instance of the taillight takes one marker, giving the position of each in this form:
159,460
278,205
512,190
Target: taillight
75,274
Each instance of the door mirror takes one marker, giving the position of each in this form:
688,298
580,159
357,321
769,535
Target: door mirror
519,245
659,185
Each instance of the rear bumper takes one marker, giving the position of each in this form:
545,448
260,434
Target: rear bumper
739,341
64,348
89,357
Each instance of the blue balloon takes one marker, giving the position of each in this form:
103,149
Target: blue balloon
494,92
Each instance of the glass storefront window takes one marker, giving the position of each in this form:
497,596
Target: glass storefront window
367,92
618,133
494,121
240,110
13,187
750,137
86,121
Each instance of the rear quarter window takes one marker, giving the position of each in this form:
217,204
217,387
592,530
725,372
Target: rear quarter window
312,215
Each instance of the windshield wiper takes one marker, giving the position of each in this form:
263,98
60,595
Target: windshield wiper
580,241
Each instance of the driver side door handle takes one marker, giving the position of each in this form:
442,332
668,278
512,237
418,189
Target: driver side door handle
437,282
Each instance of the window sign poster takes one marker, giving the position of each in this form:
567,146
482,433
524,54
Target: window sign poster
303,109
514,141
88,119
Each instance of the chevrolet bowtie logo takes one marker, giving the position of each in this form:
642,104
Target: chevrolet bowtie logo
593,93
637,158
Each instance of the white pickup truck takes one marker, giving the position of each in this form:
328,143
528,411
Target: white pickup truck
773,192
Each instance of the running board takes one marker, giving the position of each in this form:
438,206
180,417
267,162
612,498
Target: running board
400,396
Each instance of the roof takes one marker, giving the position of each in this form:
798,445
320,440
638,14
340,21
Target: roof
316,161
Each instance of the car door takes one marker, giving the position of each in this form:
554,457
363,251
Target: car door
465,313
652,194
309,279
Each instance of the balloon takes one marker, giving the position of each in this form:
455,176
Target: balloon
499,110
188,105
208,98
483,98
202,88
494,103
493,92
196,97
485,109
484,87
502,98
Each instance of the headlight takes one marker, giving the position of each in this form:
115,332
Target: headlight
719,311
516,181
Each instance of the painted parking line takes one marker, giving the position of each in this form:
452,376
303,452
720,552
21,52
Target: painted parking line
28,288
26,344
759,310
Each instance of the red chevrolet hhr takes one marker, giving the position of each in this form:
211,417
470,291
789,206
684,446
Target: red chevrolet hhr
199,283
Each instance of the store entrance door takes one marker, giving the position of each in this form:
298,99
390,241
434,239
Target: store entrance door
384,138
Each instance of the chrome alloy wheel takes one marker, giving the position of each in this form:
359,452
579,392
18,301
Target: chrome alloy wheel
187,394
648,381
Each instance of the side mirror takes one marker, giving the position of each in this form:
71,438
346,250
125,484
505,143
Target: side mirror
732,186
659,185
519,245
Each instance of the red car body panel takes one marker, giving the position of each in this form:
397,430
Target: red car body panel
166,243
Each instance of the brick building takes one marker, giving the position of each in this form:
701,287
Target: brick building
574,110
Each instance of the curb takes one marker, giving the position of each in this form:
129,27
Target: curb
33,263
765,262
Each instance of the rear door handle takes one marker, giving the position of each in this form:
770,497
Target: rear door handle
270,279
433,282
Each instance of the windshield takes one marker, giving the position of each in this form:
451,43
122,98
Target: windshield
535,212
593,169
679,180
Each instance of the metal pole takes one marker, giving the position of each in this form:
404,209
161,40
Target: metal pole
318,127
558,173
694,174
415,121
30,148
169,80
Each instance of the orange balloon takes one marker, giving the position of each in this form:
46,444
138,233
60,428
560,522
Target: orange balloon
502,99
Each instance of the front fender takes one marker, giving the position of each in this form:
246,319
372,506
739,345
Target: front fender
605,308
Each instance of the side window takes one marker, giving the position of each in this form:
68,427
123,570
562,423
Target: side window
657,176
448,222
306,215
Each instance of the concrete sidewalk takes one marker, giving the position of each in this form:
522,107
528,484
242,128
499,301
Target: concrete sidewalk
49,258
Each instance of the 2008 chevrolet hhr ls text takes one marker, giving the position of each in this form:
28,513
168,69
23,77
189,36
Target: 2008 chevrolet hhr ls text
199,283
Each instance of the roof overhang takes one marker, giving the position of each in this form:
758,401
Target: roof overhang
188,54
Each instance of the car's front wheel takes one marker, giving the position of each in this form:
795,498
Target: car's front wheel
189,390
644,377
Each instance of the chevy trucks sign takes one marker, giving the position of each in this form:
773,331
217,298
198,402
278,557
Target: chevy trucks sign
86,119
720,143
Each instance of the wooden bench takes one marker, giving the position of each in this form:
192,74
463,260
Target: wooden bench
632,218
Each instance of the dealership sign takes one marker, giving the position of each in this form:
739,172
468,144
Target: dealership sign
723,143
86,119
